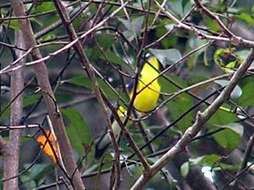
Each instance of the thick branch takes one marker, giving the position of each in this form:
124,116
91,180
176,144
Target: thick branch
11,153
41,72
191,132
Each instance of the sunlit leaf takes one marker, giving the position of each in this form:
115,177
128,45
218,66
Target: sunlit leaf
210,160
185,168
230,137
45,6
13,24
222,117
245,17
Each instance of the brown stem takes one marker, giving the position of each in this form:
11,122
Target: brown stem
41,73
86,65
11,153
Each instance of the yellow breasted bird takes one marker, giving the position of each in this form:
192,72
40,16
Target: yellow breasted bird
105,140
148,87
147,95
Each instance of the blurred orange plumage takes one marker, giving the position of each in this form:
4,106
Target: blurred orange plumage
49,145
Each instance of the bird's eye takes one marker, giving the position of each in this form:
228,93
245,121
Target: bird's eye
147,55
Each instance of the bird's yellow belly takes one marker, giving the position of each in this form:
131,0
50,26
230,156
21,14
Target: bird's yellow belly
147,98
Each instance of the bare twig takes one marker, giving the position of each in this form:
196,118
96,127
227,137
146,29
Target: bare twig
214,17
234,40
71,44
11,127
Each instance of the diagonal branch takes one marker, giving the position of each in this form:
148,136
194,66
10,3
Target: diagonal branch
41,73
91,74
99,95
191,132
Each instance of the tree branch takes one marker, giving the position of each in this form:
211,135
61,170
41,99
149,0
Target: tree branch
11,152
41,72
201,119
91,74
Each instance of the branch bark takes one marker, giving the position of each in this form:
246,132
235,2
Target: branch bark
191,132
99,95
41,73
91,74
11,150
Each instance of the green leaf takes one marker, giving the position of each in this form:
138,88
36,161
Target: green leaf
36,175
194,58
222,167
195,161
13,24
185,168
196,42
169,27
108,91
246,17
177,107
187,7
93,54
213,161
210,160
248,90
227,59
163,28
180,7
44,6
242,55
48,36
135,170
105,40
222,117
166,56
176,6
112,57
133,27
212,24
166,86
81,80
30,99
236,93
230,137
78,130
